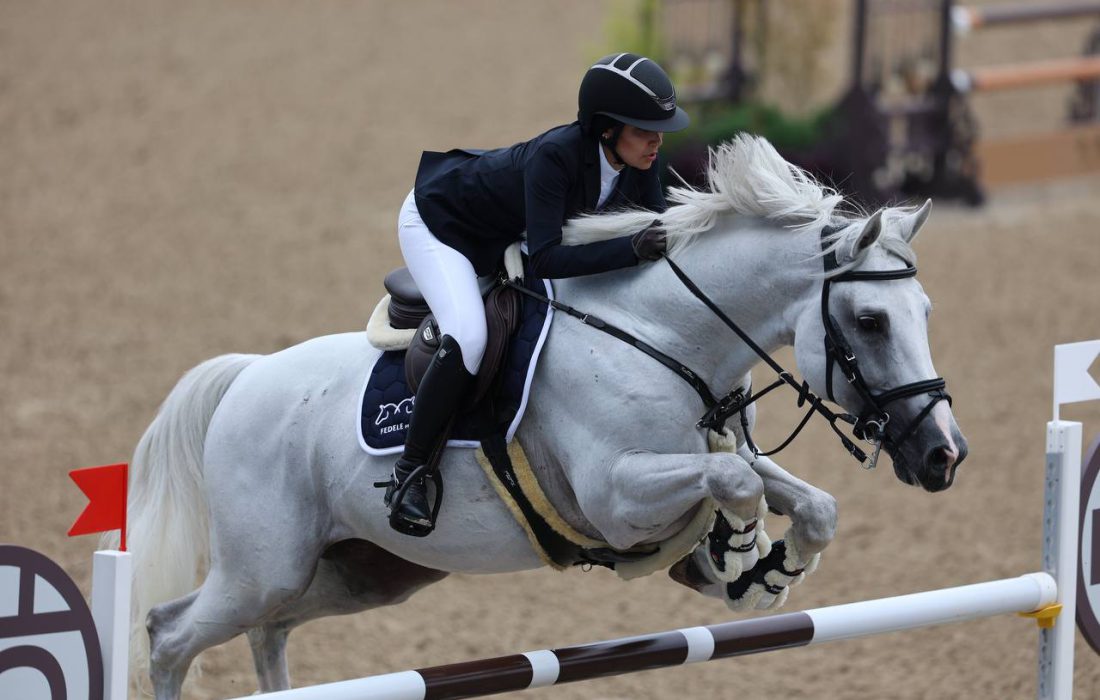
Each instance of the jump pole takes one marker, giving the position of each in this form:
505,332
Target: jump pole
1011,77
964,19
695,644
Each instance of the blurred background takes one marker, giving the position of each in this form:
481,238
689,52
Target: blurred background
182,180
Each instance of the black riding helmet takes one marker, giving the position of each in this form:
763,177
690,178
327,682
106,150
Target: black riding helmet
633,90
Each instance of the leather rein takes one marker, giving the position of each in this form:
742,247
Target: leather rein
870,425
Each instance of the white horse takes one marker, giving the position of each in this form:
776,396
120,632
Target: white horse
252,468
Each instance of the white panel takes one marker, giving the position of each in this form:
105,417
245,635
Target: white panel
67,648
1072,381
9,591
46,597
25,684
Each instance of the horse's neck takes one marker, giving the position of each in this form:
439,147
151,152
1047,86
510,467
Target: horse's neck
757,275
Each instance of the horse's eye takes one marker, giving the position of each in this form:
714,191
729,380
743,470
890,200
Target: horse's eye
869,323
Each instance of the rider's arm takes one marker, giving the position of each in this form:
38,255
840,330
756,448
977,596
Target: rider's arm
546,184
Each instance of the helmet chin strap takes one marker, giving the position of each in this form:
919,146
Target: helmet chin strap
611,142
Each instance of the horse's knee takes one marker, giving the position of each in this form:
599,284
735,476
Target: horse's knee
162,624
168,654
815,518
732,482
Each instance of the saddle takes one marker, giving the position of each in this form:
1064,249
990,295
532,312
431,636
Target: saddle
404,309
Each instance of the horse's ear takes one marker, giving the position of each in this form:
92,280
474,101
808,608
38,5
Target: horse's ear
872,229
910,223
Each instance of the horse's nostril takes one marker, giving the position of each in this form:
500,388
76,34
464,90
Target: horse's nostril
941,459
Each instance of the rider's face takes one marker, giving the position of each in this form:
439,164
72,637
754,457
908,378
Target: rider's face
638,147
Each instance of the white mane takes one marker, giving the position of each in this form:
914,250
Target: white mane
744,176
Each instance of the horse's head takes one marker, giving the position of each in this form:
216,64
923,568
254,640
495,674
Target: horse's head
875,361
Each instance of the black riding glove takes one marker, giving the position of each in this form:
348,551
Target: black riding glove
650,243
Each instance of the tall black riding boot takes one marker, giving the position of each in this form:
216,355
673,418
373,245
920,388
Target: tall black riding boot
442,389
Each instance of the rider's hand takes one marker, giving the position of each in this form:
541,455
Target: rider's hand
650,243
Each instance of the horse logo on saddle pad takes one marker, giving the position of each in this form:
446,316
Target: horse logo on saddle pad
390,415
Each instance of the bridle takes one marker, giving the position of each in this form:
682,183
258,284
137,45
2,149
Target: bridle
869,425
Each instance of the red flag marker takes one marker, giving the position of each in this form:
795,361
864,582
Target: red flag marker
105,488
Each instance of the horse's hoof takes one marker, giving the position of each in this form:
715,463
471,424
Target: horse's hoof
686,573
767,585
742,594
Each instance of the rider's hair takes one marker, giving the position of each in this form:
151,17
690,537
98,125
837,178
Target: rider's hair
601,123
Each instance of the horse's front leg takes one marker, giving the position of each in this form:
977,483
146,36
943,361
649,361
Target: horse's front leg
783,563
642,496
813,524
811,510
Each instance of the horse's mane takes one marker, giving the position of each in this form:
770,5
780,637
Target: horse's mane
745,176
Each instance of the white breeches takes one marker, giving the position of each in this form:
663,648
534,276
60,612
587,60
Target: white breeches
448,282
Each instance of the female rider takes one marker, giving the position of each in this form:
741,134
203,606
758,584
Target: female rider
468,206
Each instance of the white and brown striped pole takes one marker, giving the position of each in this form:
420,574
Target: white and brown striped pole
537,669
1014,76
964,18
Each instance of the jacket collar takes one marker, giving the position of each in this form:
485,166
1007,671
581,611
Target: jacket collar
591,173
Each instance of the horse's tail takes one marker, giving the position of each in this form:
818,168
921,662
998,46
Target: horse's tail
167,531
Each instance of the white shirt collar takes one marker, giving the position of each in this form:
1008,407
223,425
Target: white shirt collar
608,176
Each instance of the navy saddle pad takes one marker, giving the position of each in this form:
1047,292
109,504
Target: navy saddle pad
387,400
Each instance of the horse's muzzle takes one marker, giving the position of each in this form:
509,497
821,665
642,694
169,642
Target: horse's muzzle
932,458
941,463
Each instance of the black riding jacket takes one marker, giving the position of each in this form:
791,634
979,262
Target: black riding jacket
479,202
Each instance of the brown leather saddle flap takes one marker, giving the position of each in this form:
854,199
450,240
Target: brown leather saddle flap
502,317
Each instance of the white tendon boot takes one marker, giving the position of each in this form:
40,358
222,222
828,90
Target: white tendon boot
767,585
735,545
